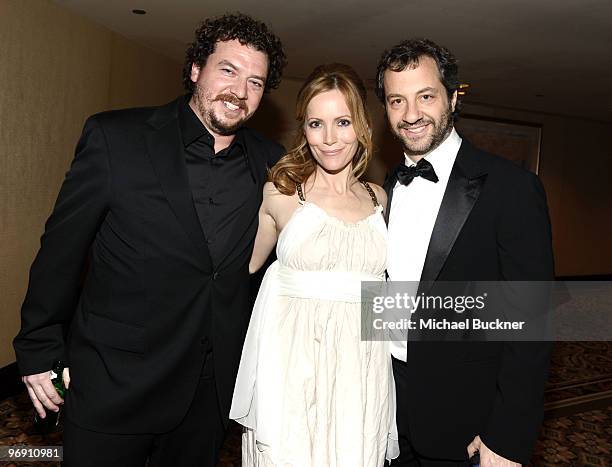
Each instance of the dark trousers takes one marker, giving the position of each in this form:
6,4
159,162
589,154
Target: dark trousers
195,442
408,456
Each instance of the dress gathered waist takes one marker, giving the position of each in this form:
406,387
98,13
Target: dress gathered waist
340,286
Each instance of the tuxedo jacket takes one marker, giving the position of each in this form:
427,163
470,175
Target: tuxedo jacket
493,225
131,326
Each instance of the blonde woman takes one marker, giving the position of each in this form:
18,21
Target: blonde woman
309,391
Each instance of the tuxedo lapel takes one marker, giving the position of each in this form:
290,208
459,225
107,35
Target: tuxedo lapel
166,154
464,186
388,185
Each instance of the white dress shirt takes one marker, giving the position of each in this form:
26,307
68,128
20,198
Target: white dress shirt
414,209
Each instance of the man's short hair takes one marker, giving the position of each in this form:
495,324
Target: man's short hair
243,28
407,53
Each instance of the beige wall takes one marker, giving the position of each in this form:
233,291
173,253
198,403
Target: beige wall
575,167
56,68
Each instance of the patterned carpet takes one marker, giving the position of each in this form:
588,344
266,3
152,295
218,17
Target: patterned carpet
580,374
577,430
583,439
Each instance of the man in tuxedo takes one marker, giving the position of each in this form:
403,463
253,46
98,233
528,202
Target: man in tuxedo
141,283
457,213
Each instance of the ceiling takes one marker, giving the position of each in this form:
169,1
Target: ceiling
549,56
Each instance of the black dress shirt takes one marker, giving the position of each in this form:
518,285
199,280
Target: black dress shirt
220,183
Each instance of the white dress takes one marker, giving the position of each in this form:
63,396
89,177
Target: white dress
309,391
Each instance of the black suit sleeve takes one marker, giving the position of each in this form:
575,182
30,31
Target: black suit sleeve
274,154
525,254
57,271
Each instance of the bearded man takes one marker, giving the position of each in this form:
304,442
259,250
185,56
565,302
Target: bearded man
165,202
458,214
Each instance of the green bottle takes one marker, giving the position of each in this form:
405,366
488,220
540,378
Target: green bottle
51,422
58,381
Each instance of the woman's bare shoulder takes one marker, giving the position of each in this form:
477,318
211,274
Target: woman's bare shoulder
273,199
380,193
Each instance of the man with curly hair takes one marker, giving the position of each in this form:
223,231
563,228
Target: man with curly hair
158,213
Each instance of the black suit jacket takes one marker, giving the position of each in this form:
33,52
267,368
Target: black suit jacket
493,225
135,325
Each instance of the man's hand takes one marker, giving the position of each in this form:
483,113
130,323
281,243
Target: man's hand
487,457
43,393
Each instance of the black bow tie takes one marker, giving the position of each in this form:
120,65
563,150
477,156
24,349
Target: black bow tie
423,168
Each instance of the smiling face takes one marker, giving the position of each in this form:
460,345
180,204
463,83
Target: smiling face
418,108
329,131
229,87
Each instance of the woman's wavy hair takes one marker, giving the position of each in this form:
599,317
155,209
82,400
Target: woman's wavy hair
236,26
298,164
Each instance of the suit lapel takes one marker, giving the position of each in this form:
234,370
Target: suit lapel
388,185
464,186
166,154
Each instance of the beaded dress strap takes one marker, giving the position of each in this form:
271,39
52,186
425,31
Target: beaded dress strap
371,193
298,188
